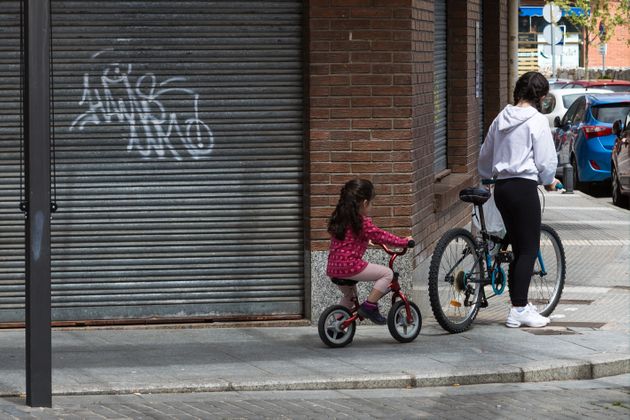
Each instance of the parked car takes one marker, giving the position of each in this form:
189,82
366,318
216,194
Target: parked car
614,85
584,136
620,163
557,101
557,83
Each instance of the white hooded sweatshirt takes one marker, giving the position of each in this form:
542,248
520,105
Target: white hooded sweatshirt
519,145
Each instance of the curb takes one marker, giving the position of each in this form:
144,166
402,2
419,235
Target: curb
555,370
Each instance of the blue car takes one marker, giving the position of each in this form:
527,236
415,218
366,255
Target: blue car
584,136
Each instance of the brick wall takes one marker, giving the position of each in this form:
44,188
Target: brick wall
495,50
617,52
371,109
360,107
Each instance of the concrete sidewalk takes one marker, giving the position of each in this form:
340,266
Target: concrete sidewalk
588,338
291,358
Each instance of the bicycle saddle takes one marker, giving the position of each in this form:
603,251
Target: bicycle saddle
343,282
477,196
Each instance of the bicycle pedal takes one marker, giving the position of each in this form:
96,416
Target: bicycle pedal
483,304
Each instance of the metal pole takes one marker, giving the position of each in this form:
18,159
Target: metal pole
553,43
512,46
37,183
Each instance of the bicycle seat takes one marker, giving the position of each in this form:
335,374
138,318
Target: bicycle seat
477,196
343,282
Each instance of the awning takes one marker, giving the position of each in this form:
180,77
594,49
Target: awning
538,11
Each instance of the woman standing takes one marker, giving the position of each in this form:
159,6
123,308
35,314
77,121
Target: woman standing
519,153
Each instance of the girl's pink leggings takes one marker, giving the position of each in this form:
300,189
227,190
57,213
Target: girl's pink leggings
379,274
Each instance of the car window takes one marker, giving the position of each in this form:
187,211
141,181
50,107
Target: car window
580,112
568,100
548,104
616,88
568,117
609,113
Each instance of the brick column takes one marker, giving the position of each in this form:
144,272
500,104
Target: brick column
360,111
360,108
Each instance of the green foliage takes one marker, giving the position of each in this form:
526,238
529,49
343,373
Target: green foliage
608,14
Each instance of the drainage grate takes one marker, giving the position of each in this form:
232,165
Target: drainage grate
576,301
549,331
569,324
564,301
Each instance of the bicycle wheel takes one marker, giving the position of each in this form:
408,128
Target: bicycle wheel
456,274
330,326
401,329
547,280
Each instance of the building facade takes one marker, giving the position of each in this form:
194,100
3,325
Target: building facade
199,147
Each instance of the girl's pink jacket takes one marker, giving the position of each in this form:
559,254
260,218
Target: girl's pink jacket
345,258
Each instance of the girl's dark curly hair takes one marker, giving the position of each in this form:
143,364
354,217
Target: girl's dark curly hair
347,211
531,87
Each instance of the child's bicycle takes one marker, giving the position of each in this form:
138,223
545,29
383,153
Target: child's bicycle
463,265
337,324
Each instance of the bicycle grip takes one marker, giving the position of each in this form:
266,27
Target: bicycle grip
559,186
411,243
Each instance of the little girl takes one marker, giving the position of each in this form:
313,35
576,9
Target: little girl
352,231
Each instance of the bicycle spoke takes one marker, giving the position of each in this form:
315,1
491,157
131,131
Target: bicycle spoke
545,288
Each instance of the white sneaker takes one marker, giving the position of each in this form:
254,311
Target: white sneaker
527,317
533,308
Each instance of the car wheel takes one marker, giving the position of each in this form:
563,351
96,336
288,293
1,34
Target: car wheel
582,186
617,197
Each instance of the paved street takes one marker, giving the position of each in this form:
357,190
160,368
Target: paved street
603,398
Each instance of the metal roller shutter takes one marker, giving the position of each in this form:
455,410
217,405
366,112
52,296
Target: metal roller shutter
179,161
439,86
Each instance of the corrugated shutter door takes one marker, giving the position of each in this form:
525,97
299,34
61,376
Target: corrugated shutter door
179,156
11,219
439,87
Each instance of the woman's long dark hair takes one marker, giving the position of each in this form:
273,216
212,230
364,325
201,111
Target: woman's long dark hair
347,211
531,87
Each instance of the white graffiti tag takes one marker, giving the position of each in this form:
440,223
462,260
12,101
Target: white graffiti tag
151,128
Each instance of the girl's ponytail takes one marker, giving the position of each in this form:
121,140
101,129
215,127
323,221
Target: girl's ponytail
346,212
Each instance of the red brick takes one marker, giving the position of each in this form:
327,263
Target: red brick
372,123
349,68
370,57
325,58
367,101
391,90
371,80
371,12
372,145
328,12
329,167
349,45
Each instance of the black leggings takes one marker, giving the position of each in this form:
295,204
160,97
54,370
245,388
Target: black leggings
519,205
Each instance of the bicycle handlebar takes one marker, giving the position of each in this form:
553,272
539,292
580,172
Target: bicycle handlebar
410,244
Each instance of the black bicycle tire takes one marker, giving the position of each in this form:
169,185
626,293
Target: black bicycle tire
321,327
434,270
563,269
391,322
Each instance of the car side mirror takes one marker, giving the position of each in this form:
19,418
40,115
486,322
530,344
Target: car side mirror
617,128
556,122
